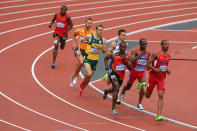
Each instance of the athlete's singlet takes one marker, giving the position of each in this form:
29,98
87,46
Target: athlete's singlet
61,25
141,63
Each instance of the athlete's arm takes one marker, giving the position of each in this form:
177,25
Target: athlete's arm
134,55
112,46
107,57
53,20
103,48
153,57
70,23
168,71
129,63
75,34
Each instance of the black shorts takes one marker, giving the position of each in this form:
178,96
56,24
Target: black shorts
62,39
113,76
84,54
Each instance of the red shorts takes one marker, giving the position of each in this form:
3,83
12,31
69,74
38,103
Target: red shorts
135,75
153,80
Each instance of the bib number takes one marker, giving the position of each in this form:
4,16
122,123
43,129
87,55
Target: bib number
94,51
163,68
60,25
142,62
120,67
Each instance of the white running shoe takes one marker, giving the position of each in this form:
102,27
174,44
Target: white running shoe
140,107
74,81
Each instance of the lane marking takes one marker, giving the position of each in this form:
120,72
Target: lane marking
67,102
92,123
37,16
86,8
133,107
174,30
12,1
95,22
183,42
41,3
14,125
48,117
100,20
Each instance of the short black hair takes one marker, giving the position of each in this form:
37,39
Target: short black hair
120,31
141,39
63,6
99,25
163,41
123,43
88,19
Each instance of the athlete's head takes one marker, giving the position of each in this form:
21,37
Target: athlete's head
64,9
143,43
164,45
121,34
99,29
123,47
88,23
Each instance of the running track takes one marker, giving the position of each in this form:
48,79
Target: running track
35,97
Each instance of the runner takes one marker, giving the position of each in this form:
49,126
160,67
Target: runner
114,48
139,59
96,43
81,33
158,63
63,26
116,72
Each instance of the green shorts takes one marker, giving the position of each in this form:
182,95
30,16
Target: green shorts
92,63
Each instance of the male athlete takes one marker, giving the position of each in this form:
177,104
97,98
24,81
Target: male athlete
139,63
63,26
158,63
114,48
95,43
81,33
116,72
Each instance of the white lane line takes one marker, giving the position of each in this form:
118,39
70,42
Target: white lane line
174,30
67,102
184,42
100,14
86,8
37,16
12,1
2,50
42,3
133,107
14,125
43,115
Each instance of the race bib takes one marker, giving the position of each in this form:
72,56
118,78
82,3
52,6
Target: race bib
60,25
120,67
142,62
163,68
94,50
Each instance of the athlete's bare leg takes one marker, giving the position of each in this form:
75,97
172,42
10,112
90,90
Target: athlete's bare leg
141,92
160,102
56,45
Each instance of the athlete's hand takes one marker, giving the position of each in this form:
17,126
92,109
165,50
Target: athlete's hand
50,26
157,70
106,68
168,72
64,32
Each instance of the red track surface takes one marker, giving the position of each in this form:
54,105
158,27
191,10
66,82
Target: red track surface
18,84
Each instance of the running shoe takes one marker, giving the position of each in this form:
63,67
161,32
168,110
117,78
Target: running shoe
118,102
159,118
82,85
105,94
73,81
114,112
53,65
80,94
103,77
139,86
139,106
122,96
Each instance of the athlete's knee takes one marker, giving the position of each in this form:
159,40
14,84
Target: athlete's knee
62,45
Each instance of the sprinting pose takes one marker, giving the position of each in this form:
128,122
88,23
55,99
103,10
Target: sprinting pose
139,62
158,63
63,26
96,43
116,73
81,33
